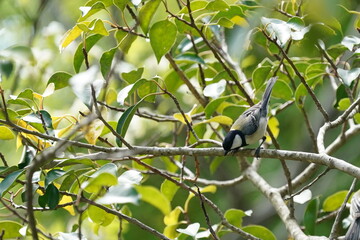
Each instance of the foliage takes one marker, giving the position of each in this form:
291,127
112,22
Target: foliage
127,136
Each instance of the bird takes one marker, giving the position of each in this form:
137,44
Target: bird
250,127
353,232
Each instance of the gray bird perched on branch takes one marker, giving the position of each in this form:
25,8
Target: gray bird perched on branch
251,125
353,232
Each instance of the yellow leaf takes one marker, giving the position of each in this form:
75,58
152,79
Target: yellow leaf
173,217
6,133
219,119
193,110
70,36
180,117
64,130
111,96
93,131
273,124
239,21
70,208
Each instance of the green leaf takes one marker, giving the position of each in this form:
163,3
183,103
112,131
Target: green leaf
162,37
277,29
79,55
235,217
128,90
154,197
124,121
104,176
169,189
53,196
299,94
60,80
344,104
147,88
282,90
217,5
260,75
214,104
10,229
310,216
8,181
260,232
190,57
105,62
357,118
336,50
6,133
100,216
133,76
94,185
146,13
334,201
52,175
27,94
96,26
27,156
121,4
125,40
88,11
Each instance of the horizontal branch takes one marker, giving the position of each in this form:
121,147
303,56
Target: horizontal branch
322,159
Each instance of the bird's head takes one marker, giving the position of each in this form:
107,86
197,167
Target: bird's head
233,140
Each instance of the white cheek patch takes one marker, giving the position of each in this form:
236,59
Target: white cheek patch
237,142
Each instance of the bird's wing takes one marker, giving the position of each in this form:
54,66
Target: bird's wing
247,122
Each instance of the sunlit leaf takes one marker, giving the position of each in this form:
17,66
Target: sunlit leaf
154,197
181,118
100,216
105,62
260,232
344,104
121,4
214,90
190,230
219,119
133,76
303,197
87,11
79,54
70,36
146,13
10,229
81,85
334,201
282,90
169,189
125,40
350,41
121,193
162,37
6,133
273,124
235,217
348,76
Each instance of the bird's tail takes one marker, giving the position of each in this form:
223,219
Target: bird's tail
267,93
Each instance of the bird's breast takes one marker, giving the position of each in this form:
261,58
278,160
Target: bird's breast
258,134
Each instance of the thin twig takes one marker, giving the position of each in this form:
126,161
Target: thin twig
205,213
335,227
